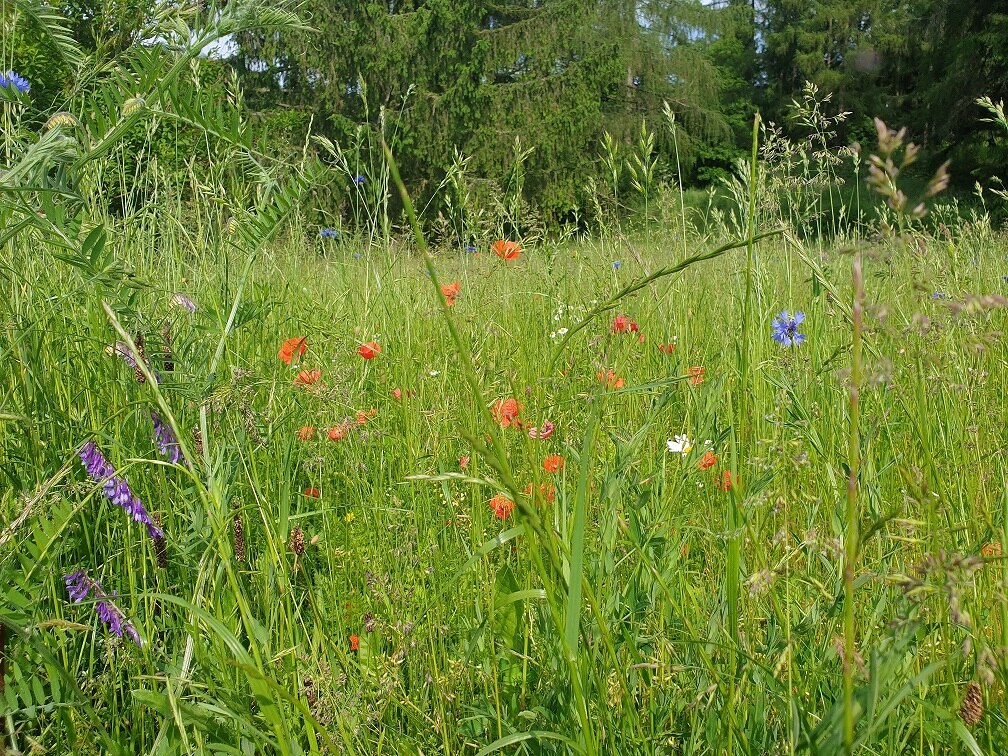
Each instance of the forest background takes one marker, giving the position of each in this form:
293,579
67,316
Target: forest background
541,96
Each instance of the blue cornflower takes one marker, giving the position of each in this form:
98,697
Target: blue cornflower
470,248
116,489
79,585
359,180
20,83
939,295
617,265
328,233
784,328
165,439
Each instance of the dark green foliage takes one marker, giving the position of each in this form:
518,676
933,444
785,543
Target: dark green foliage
479,76
920,64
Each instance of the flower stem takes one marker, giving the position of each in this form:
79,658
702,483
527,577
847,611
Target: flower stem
851,541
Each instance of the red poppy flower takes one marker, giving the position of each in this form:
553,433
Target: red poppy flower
397,394
553,463
610,379
623,324
696,375
354,642
506,250
337,432
306,433
307,377
313,493
992,549
667,348
502,506
464,461
545,493
298,345
505,412
707,461
726,481
544,432
450,291
370,350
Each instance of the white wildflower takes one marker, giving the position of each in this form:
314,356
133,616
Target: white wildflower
681,445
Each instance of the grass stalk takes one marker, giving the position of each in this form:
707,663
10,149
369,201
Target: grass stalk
851,545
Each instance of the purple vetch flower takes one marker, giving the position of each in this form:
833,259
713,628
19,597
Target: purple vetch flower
181,300
121,350
79,585
165,439
116,489
784,329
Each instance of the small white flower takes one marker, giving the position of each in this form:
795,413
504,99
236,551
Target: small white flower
434,373
681,445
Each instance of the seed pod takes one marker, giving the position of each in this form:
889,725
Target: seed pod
239,538
141,355
297,542
311,692
971,711
197,438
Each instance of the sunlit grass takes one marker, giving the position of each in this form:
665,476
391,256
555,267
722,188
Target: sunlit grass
455,645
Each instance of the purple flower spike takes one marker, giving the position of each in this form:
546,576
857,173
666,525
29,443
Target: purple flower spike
97,467
165,439
116,489
181,300
79,585
121,350
107,613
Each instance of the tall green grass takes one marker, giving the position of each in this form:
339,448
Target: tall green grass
472,645
832,582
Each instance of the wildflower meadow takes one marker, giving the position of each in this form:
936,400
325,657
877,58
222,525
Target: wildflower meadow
723,474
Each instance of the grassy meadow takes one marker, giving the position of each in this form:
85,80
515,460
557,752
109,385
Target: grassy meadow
276,477
356,587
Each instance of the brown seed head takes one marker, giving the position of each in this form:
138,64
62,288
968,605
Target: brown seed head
971,711
297,541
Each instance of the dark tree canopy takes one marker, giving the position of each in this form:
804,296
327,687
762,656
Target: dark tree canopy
553,74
